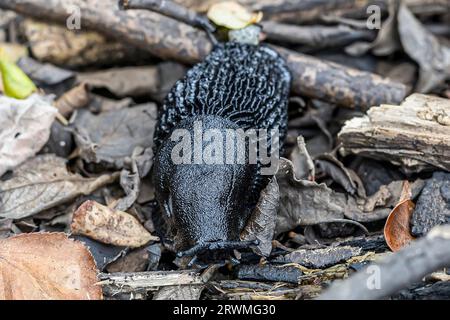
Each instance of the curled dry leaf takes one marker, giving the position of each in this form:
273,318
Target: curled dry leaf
304,202
386,41
111,137
24,129
124,82
397,230
108,226
42,183
261,225
232,15
302,161
46,266
423,47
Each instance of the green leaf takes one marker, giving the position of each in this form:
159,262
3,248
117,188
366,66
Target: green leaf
16,83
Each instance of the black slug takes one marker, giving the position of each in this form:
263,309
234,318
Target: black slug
208,200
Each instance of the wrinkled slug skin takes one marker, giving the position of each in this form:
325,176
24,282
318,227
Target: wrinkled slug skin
236,86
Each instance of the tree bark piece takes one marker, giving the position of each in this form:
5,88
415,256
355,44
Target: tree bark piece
170,39
415,135
344,86
398,271
138,281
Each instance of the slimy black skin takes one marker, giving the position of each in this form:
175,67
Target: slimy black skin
236,86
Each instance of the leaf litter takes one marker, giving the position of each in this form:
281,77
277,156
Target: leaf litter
76,157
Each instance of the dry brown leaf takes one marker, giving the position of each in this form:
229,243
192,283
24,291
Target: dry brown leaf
124,82
24,129
232,15
111,137
46,266
261,224
423,47
56,44
108,226
42,183
397,231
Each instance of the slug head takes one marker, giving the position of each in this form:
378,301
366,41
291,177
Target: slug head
206,202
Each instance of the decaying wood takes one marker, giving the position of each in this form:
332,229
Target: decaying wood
148,281
399,271
436,291
175,40
333,82
249,290
414,135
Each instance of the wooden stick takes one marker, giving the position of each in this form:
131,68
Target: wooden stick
130,282
170,9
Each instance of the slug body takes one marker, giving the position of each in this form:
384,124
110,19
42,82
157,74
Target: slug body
237,86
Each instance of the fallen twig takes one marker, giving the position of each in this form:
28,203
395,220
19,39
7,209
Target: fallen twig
170,9
398,271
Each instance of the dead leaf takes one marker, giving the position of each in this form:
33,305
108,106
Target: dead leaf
397,230
134,261
423,47
261,224
108,226
301,160
24,129
104,254
13,51
386,42
304,202
347,178
232,15
46,266
124,82
44,74
111,137
138,260
130,179
42,183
